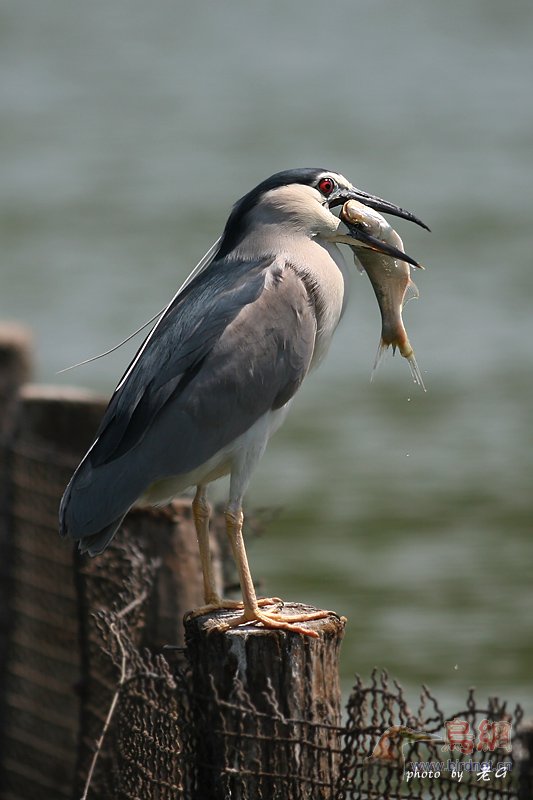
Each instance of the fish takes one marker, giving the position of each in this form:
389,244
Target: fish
380,253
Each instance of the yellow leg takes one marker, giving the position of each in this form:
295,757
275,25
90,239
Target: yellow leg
252,611
212,599
200,510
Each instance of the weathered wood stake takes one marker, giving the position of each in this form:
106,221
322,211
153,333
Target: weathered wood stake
50,430
267,703
15,368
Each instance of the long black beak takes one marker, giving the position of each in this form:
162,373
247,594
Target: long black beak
376,203
359,233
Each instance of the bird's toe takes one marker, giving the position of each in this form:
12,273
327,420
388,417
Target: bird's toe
220,604
275,620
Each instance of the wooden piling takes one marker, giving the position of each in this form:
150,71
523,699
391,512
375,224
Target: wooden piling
54,596
15,368
267,708
43,659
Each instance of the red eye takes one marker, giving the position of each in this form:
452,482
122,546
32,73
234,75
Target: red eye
326,186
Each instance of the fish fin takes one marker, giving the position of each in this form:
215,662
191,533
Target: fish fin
382,349
411,293
415,371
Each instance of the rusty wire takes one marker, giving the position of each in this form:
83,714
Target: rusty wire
264,754
140,721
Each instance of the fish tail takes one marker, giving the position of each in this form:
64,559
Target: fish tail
415,371
382,349
407,352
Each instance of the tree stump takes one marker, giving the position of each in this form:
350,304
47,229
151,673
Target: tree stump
266,708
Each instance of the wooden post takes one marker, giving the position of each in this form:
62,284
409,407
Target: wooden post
15,368
43,664
267,708
53,597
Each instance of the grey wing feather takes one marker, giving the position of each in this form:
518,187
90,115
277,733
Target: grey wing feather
182,339
237,344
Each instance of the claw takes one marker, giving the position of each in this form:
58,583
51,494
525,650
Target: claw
209,608
224,604
272,620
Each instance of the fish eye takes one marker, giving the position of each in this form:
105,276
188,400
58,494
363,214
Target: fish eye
326,186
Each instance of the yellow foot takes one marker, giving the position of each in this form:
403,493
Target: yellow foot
221,603
274,619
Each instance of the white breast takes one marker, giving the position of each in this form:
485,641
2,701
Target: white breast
321,265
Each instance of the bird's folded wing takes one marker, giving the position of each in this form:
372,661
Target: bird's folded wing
237,343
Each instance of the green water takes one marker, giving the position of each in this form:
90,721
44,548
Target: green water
128,129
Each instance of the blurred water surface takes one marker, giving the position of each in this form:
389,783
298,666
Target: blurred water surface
129,129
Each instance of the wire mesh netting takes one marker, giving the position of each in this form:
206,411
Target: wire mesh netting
137,720
422,769
41,674
89,710
153,741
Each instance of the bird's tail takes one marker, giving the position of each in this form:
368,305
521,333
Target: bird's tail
94,504
96,543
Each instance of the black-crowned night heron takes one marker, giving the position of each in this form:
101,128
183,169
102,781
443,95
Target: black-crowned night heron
216,375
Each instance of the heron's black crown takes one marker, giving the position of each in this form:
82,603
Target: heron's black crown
236,224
